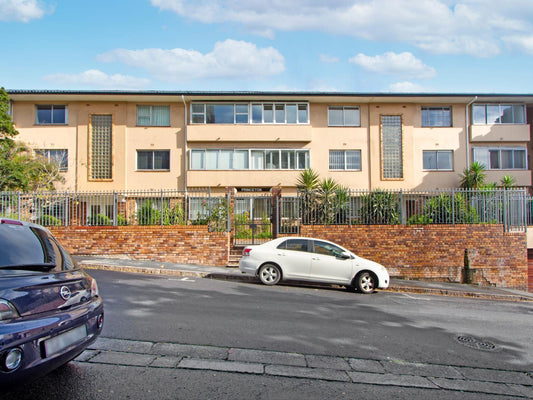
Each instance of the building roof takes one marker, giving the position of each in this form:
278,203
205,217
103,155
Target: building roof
333,97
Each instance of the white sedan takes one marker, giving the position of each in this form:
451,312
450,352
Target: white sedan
315,260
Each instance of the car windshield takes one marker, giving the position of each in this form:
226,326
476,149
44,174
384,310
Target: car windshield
27,248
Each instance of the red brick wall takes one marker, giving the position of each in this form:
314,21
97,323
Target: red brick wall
178,244
436,252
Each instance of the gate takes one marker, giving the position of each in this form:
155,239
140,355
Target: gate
252,218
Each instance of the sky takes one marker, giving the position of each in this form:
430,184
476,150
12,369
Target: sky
363,46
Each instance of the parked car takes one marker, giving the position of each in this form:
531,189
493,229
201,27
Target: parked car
309,259
50,310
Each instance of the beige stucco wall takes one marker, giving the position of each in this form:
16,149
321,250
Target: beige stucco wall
316,136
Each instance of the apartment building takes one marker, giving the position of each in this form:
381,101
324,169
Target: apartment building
253,141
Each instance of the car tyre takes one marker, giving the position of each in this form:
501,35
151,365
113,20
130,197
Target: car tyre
269,274
365,282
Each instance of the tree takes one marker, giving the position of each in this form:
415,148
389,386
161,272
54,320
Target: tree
19,169
474,176
7,129
507,182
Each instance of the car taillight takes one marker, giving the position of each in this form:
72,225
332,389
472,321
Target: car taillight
246,251
10,222
7,310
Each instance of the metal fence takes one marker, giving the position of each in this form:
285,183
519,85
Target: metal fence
162,207
383,207
511,207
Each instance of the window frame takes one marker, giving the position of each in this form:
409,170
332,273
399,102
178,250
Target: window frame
488,151
266,157
426,122
344,109
151,122
63,161
451,152
486,113
274,108
52,106
153,160
345,156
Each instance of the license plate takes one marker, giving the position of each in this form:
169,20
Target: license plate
61,342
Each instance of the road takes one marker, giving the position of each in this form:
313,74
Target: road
199,338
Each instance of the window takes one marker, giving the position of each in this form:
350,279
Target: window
343,116
327,249
345,160
246,113
436,116
58,157
391,147
488,114
501,158
294,245
153,160
244,159
438,160
101,147
52,115
153,115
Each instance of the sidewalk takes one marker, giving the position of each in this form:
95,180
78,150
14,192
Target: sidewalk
200,271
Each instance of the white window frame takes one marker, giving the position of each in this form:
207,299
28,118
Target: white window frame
45,153
200,117
437,160
448,124
264,156
151,122
482,155
512,105
344,109
153,155
64,106
345,156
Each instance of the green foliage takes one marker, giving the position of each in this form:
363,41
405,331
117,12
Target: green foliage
380,207
148,214
173,216
49,220
446,209
7,129
507,182
474,176
100,220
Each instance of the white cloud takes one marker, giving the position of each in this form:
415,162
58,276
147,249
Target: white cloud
472,27
328,59
229,59
22,10
522,43
97,79
407,87
404,65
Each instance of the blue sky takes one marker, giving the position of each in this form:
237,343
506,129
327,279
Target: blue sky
443,46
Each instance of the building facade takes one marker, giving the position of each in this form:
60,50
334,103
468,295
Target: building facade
254,141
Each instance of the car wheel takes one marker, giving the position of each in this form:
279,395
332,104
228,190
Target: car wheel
269,274
365,282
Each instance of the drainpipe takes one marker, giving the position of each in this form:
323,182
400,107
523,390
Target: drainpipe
369,148
185,144
467,131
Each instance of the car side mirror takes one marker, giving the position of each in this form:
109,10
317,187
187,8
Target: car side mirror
345,255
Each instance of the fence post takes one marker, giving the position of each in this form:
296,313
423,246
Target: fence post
18,205
115,200
66,213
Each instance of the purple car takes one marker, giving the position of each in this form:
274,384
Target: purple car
50,309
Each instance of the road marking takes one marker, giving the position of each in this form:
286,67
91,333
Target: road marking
186,279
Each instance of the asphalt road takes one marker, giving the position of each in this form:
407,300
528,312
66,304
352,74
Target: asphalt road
393,330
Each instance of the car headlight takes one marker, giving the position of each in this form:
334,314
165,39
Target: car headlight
7,310
94,288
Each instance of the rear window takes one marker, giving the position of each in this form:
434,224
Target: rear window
294,244
25,246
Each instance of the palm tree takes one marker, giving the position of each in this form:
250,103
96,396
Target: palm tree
307,184
327,192
507,182
474,176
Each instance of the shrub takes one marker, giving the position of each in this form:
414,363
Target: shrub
49,220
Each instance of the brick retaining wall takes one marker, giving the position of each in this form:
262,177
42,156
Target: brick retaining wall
178,244
429,252
437,252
